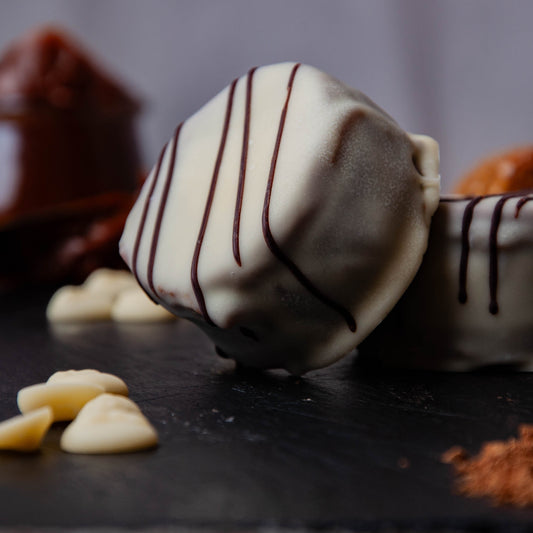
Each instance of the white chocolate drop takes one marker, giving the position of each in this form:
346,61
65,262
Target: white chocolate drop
75,304
105,295
109,424
109,281
109,382
334,220
24,433
65,399
132,305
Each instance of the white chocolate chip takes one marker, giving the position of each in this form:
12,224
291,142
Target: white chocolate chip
24,433
108,281
109,424
132,305
106,294
75,304
65,399
109,382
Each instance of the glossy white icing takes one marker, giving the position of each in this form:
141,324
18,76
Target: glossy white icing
335,205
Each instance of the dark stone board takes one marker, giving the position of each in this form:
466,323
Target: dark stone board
241,450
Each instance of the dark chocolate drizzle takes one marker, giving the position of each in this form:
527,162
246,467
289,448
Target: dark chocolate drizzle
454,199
161,210
221,353
242,172
207,211
465,246
493,253
247,332
140,229
267,233
523,201
493,240
493,246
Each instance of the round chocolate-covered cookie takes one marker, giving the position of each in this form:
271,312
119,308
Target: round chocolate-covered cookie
285,218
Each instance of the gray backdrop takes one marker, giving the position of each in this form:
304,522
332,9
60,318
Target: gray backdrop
458,70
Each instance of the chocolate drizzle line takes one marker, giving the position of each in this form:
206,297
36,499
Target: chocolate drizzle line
194,267
493,252
493,242
493,245
465,246
162,205
242,173
269,239
144,214
454,199
524,200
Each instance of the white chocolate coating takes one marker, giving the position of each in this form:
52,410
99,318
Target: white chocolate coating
461,318
109,424
335,204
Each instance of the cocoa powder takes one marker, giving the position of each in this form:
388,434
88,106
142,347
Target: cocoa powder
502,471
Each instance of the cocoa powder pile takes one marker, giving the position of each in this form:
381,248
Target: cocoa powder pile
502,471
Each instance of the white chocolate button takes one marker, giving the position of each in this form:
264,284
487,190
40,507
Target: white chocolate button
109,382
132,305
65,399
24,433
75,304
109,424
109,281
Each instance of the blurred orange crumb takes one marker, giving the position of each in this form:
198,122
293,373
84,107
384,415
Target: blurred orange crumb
508,171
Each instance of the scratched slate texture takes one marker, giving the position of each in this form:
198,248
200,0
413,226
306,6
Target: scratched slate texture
341,448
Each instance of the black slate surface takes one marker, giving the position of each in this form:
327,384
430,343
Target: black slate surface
239,450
